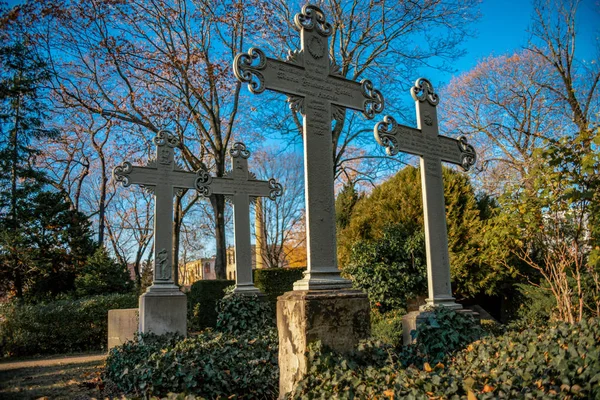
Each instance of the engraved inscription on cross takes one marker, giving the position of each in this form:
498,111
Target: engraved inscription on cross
163,177
433,149
243,187
315,88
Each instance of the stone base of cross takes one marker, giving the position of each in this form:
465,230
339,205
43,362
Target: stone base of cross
433,149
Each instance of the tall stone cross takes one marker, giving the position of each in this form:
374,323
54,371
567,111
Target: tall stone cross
163,177
433,149
242,186
315,88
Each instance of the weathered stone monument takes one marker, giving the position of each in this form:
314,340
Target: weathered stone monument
163,308
322,305
433,149
242,186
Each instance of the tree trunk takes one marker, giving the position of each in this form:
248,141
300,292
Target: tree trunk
218,204
13,198
178,217
102,205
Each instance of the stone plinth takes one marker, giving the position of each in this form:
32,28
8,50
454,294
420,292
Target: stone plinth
413,319
338,318
122,326
163,311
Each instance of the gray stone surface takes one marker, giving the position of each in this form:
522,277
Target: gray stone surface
122,326
338,318
162,177
413,319
163,312
315,88
433,149
242,186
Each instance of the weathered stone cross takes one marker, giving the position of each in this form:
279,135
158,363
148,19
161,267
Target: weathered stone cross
314,88
242,186
163,177
163,306
433,149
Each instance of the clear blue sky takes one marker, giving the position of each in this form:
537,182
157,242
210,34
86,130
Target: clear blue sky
503,29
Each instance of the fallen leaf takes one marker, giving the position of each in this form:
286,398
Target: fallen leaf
427,367
471,396
487,389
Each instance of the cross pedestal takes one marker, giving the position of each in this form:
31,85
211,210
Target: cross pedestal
241,185
163,308
332,312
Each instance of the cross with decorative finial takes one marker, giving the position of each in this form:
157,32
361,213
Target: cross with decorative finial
316,89
242,186
433,149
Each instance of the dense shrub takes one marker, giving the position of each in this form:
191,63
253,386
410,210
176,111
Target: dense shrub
387,327
390,269
202,302
239,362
211,364
276,281
547,362
102,275
241,314
58,327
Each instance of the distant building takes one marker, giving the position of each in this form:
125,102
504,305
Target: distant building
203,269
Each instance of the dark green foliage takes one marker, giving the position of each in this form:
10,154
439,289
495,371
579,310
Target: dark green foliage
102,275
202,303
276,281
22,113
548,362
390,269
61,326
537,305
398,202
344,204
444,332
58,244
387,327
212,365
239,361
241,314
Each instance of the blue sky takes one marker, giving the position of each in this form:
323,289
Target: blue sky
503,29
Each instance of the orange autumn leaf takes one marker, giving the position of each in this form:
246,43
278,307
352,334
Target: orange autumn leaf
471,396
427,367
389,393
487,389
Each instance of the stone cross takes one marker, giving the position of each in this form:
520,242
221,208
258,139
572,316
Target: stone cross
316,89
242,186
433,149
163,177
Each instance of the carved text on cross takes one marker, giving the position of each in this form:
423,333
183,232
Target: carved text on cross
163,177
316,90
433,149
241,185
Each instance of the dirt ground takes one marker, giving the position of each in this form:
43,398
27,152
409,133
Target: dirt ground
61,377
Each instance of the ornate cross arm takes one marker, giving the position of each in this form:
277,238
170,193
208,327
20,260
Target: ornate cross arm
399,138
237,181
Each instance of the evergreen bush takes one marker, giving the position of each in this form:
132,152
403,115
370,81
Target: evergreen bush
202,303
102,275
61,326
276,281
239,362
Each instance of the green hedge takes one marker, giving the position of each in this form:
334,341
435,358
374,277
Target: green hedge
276,281
61,326
202,303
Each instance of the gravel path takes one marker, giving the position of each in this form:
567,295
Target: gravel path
48,362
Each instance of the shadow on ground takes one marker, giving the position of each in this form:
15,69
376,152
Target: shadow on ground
72,381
